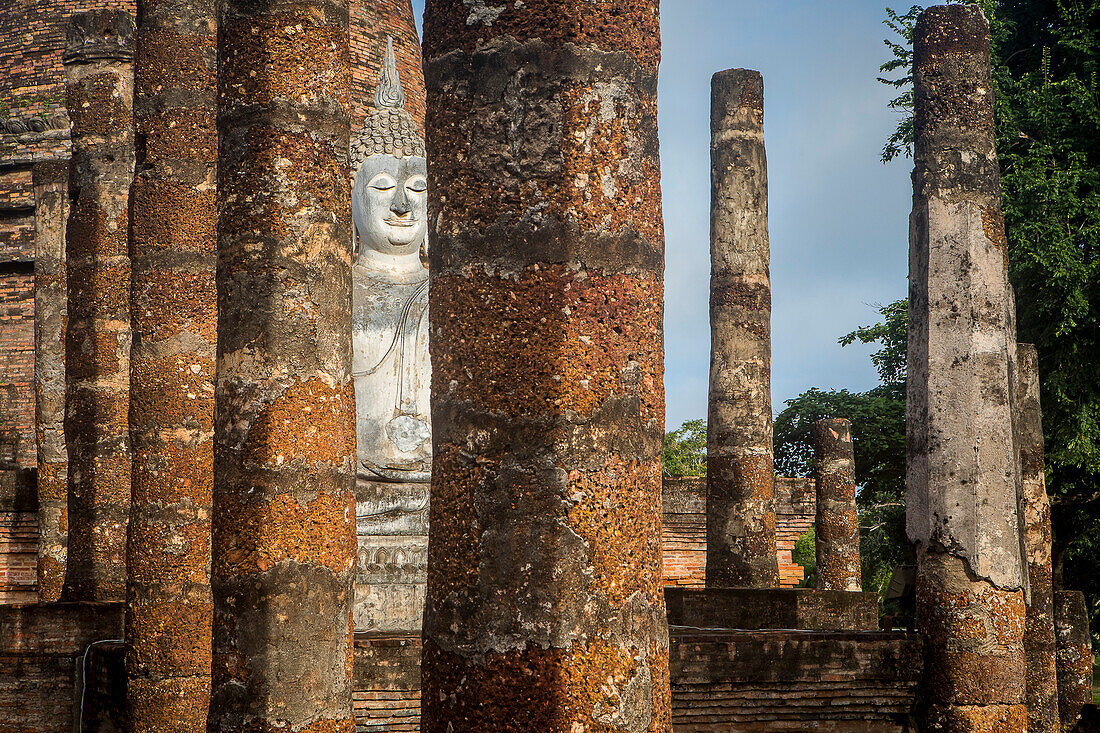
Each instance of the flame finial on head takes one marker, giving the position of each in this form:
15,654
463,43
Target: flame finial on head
389,93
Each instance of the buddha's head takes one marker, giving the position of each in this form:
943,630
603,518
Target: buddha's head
390,204
389,196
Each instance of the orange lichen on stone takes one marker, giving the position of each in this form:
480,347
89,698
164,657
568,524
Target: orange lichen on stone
309,168
180,134
621,523
178,389
173,704
169,472
535,689
193,298
268,531
607,183
165,56
169,638
584,24
309,421
193,214
594,336
96,104
169,548
307,62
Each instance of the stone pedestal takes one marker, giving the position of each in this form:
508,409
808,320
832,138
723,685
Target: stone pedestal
546,253
740,476
962,475
392,557
836,525
99,90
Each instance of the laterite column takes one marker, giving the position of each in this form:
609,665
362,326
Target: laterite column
836,522
961,501
284,434
1074,655
1039,643
174,316
740,475
99,89
51,206
544,608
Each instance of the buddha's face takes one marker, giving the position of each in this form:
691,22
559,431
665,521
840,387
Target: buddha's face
389,204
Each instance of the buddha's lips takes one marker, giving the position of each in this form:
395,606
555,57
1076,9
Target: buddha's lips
401,222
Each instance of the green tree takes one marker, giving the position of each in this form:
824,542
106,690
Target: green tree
1046,55
878,436
685,450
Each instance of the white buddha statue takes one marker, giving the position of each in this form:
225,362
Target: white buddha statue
390,361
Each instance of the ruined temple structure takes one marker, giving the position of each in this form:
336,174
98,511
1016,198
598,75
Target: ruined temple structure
266,349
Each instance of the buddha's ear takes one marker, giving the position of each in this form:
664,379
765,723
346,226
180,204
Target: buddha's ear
424,252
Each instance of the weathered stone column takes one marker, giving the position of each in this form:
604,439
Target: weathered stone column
1074,655
544,608
284,432
836,523
99,89
1039,644
740,477
51,207
961,502
174,315
372,22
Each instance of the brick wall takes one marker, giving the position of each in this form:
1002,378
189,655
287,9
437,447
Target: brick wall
684,531
40,646
368,43
386,694
795,507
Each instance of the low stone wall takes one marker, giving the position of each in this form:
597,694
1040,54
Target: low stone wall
756,681
41,659
772,608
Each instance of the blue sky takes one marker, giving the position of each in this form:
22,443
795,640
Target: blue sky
838,216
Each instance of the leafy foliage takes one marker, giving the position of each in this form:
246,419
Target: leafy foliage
805,554
685,450
878,436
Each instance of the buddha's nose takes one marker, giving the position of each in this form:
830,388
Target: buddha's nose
400,205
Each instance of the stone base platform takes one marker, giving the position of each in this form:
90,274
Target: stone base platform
44,650
783,681
772,608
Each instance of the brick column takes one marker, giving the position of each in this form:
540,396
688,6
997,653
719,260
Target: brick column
174,314
1039,644
99,89
284,435
836,523
544,608
740,478
1074,655
961,502
51,207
